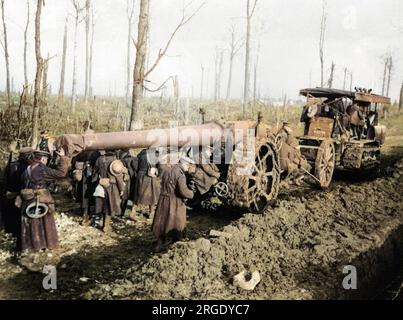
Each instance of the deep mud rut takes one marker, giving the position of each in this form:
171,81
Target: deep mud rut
299,247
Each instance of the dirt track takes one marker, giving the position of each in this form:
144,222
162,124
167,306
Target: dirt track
299,248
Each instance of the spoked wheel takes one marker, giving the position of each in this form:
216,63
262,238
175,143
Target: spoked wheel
221,189
265,178
325,163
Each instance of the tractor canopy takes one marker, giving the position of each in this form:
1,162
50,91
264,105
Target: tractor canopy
360,95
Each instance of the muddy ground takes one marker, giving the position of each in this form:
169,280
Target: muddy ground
299,247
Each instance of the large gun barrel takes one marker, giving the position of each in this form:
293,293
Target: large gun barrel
204,134
250,170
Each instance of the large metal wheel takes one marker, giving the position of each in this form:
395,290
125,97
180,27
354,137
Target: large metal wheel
264,181
325,163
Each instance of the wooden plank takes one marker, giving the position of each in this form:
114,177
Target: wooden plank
372,98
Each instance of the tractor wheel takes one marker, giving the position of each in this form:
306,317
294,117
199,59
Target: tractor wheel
264,181
325,163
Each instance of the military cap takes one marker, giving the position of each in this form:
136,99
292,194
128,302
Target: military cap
26,150
117,167
187,160
41,153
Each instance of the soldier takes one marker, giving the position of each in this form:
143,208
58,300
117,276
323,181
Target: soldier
262,129
131,163
291,159
43,144
147,188
13,187
110,188
38,230
206,173
170,215
83,165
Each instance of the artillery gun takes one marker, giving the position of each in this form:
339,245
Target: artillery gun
245,153
341,132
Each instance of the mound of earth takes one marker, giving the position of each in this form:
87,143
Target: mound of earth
299,247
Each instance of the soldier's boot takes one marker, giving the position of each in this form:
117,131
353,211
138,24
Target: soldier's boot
96,221
107,229
151,212
86,219
160,246
133,214
176,236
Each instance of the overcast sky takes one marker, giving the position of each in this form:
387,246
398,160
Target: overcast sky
358,34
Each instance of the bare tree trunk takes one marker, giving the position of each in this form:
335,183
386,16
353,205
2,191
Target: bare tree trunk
390,67
249,14
255,85
63,68
176,99
147,59
385,69
39,65
330,82
74,86
45,79
401,99
345,79
202,83
285,100
139,65
130,13
322,41
351,81
255,79
187,111
235,46
389,76
220,74
139,73
91,53
5,47
87,48
229,84
207,84
25,46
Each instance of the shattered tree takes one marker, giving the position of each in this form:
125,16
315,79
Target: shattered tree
322,42
26,45
77,13
130,15
234,46
63,67
38,75
139,70
4,44
250,10
87,48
